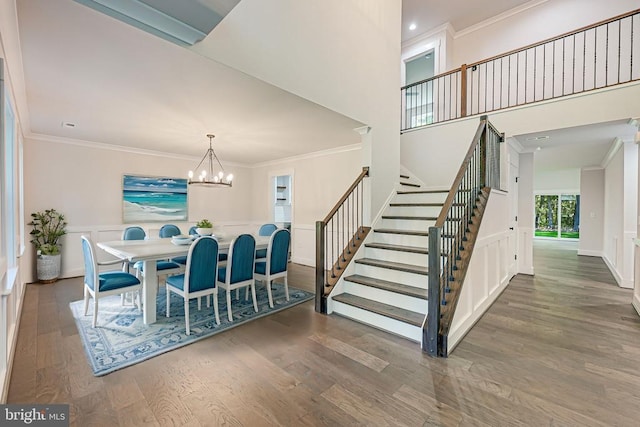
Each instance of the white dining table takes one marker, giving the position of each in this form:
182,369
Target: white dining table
151,250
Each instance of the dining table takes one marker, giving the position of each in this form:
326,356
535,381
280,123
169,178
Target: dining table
151,250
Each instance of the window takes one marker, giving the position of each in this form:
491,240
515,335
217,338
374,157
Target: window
557,216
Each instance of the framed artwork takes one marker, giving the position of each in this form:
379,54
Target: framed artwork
153,199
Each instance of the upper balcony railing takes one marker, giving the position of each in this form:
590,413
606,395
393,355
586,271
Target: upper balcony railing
601,55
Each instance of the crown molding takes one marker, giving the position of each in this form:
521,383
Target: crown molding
428,35
315,154
592,168
130,150
613,149
497,18
513,141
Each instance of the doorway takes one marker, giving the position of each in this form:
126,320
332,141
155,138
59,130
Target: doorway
282,201
557,216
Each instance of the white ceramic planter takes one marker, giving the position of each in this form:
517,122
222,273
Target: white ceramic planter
204,231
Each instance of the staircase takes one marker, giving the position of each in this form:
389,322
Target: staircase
388,287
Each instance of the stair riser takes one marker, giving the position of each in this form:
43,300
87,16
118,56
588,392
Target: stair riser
397,256
401,239
413,210
405,224
410,279
393,326
420,198
392,298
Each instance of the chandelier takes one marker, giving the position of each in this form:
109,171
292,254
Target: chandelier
207,177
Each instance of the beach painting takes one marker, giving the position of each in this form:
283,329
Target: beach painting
153,199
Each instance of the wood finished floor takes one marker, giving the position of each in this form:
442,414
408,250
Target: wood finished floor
560,348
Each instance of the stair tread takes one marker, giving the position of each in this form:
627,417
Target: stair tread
424,192
400,248
419,205
404,176
388,286
407,316
409,268
396,231
410,218
410,184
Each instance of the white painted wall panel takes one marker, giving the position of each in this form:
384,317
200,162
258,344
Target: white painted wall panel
591,212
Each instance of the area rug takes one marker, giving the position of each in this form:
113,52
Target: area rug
122,339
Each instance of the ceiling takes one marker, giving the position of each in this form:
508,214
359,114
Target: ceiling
576,147
429,14
122,86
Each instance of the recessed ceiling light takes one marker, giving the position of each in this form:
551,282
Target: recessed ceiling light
413,26
68,125
539,148
537,138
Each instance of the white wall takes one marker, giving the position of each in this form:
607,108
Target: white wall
84,182
620,213
591,212
566,181
318,182
548,19
342,54
636,290
526,220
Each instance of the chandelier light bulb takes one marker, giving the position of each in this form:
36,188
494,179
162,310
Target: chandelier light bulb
190,174
230,177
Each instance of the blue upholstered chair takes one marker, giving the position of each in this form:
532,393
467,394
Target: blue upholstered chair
238,273
169,230
134,233
98,285
276,263
163,267
199,279
192,230
265,230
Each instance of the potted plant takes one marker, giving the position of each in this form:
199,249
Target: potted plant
48,227
204,227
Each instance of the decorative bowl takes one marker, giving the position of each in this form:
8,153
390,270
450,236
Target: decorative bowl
204,231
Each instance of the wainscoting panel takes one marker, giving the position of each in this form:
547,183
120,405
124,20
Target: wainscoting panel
488,273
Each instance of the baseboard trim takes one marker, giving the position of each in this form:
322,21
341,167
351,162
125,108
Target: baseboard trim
304,261
4,392
613,271
527,271
590,253
636,303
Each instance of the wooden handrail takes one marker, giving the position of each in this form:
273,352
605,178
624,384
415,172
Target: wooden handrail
363,174
463,168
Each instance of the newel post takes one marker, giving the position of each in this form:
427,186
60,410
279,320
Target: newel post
321,302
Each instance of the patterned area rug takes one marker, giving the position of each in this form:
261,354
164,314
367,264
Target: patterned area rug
121,338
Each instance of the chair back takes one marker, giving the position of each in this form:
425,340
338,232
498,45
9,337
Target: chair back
202,265
242,259
278,251
192,230
267,229
169,230
90,264
134,233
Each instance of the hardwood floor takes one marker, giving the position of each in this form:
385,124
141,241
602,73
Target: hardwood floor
560,348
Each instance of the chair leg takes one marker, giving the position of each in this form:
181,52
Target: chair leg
138,296
215,306
253,294
286,288
238,293
199,303
186,315
168,298
86,300
95,312
229,314
269,293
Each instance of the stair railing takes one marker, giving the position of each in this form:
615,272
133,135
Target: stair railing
338,236
479,171
600,55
